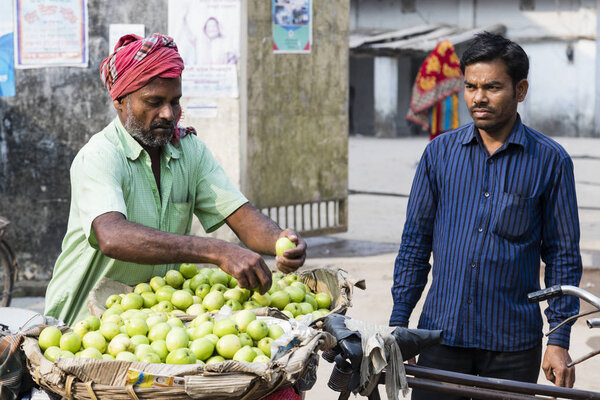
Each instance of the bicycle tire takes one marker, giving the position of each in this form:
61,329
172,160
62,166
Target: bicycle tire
7,273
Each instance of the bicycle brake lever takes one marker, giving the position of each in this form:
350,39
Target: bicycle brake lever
588,355
566,321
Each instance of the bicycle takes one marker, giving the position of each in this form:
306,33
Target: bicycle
8,267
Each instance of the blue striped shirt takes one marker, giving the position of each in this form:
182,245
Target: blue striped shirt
488,221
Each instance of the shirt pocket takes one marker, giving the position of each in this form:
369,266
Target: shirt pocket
180,218
515,217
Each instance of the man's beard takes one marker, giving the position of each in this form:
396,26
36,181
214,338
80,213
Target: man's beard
144,137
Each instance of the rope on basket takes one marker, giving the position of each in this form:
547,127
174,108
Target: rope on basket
90,390
37,375
68,386
131,392
252,390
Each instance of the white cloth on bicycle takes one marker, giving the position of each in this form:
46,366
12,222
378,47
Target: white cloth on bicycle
380,351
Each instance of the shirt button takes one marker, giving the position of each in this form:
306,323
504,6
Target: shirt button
473,265
469,301
480,229
490,161
486,194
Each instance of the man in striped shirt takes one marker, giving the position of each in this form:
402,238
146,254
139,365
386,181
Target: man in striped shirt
490,200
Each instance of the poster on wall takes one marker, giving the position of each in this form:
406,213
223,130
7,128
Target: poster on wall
51,33
292,26
7,60
207,33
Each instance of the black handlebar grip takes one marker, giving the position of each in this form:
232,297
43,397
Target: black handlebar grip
544,294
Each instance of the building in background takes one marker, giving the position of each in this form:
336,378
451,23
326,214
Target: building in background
390,39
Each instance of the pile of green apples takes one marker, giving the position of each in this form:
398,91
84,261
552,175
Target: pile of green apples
195,291
154,337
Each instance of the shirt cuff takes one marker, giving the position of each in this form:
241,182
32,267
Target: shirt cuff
561,337
400,315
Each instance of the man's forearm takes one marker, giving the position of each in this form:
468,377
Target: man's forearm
257,231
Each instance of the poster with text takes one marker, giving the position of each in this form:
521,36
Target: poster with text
51,33
292,26
207,33
7,58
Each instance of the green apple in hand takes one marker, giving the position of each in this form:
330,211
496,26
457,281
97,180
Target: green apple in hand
282,244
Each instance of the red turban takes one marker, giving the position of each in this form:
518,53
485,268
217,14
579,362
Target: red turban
138,60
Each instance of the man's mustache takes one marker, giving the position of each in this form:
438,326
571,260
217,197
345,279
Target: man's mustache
163,125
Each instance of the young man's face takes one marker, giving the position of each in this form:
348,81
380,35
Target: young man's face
150,114
490,95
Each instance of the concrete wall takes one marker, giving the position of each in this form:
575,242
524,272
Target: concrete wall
564,94
55,111
297,110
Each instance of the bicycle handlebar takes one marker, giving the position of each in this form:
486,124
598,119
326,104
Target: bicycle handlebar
545,294
558,290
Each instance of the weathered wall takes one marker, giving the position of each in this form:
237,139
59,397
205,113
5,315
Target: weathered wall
56,110
297,110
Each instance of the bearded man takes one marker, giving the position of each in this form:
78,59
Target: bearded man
136,185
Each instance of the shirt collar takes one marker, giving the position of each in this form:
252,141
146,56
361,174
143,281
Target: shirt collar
132,149
516,136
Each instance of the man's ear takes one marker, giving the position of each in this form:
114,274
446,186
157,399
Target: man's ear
119,104
521,89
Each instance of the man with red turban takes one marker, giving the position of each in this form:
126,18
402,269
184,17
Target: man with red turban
137,184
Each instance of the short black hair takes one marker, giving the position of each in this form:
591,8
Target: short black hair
488,46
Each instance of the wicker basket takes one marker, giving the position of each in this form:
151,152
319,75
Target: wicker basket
76,378
333,281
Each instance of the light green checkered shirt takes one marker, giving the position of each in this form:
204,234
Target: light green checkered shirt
112,172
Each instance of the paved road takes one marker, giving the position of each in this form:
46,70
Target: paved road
380,176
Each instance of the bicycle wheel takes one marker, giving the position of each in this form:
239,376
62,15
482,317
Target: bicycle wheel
7,274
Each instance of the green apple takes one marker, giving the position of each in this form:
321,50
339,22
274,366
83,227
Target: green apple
177,338
282,244
294,309
142,288
91,352
106,356
243,318
94,339
203,329
258,351
142,348
234,305
289,278
136,326
200,319
202,348
155,319
181,299
233,282
265,345
306,308
81,328
157,282
323,300
163,306
281,284
257,329
119,344
246,293
150,357
198,280
70,341
195,309
112,300
310,299
245,354
233,294
263,299
93,322
245,339
132,301
213,301
149,299
250,305
228,345
196,299
225,327
212,337
300,285
52,353
275,331
126,356
164,293
215,360
280,299
181,356
262,359
218,287
139,339
109,330
65,354
49,337
296,294
175,322
202,290
114,318
159,331
219,276
174,279
160,347
188,270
